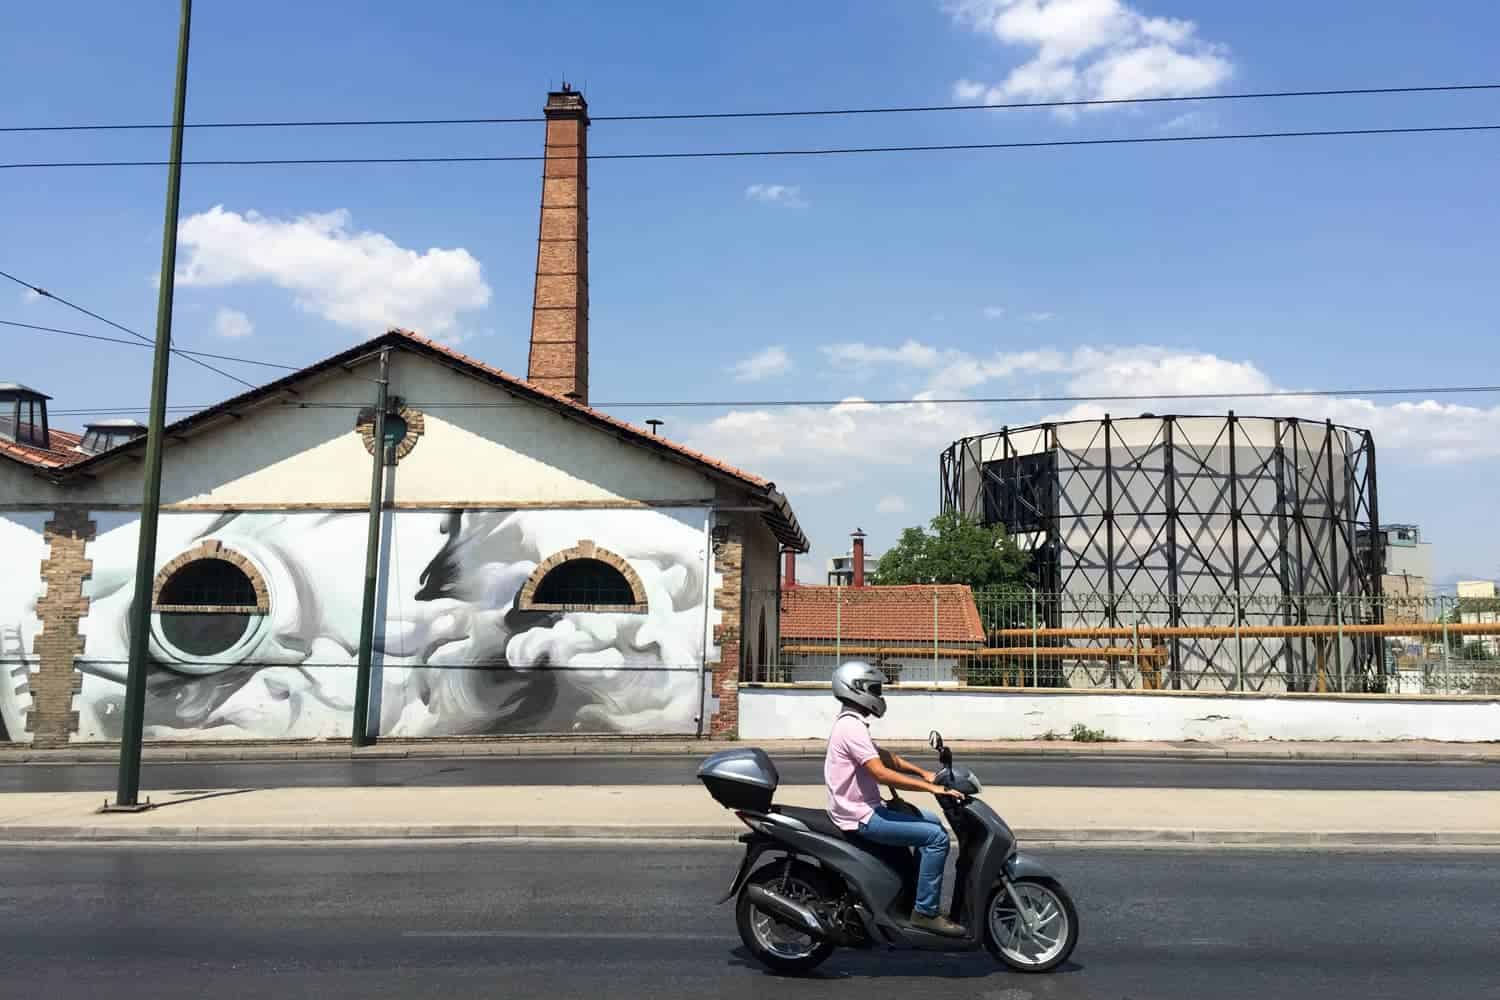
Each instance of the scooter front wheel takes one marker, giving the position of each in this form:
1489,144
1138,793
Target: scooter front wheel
1038,945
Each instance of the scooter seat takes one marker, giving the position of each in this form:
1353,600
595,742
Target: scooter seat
816,820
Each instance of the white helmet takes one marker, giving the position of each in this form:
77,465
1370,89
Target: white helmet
858,684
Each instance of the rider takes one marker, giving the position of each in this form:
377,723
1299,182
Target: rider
855,768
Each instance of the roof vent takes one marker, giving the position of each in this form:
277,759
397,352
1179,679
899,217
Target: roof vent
102,435
23,416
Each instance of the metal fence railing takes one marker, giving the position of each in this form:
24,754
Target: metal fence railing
1270,643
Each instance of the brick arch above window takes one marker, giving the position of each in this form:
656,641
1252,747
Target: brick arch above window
416,426
584,550
212,550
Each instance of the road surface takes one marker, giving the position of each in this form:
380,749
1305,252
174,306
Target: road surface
644,770
566,921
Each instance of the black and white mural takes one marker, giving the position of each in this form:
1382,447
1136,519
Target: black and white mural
257,623
22,549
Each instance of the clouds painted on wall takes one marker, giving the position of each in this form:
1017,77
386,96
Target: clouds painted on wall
456,656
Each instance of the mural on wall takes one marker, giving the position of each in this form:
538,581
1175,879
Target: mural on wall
22,549
256,631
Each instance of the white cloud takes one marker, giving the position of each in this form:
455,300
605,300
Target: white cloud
1192,121
910,353
30,295
772,361
1041,317
856,445
359,279
776,194
891,505
810,450
994,312
1091,50
233,324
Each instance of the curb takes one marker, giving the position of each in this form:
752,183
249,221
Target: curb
159,835
269,756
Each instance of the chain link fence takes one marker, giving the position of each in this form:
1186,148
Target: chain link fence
954,636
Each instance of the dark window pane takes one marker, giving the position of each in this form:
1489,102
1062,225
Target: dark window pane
202,634
209,583
585,581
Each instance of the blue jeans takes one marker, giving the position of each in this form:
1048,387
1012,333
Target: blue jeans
927,834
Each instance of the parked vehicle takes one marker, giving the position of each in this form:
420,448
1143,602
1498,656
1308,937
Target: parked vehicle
806,887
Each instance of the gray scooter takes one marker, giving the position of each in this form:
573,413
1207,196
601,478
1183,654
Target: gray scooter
822,888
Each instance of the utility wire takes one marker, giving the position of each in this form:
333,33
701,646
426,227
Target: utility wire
125,329
793,113
136,343
745,153
189,354
1442,390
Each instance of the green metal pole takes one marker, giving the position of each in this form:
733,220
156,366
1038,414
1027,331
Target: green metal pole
361,725
129,787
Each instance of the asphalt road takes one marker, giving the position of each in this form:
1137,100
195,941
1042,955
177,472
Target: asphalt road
642,770
584,921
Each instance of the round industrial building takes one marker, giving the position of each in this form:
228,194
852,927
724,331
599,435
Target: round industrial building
1208,525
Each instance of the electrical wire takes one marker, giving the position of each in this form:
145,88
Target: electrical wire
124,329
136,343
792,113
1442,390
747,153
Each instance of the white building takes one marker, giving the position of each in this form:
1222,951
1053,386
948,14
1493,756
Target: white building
541,566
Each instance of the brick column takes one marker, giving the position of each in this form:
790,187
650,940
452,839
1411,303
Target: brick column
729,560
52,718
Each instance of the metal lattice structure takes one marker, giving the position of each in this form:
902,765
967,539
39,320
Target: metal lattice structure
1193,520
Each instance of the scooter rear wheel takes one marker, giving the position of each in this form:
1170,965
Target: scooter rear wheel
1056,932
777,945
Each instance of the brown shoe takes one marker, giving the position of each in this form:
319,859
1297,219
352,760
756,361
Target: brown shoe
937,925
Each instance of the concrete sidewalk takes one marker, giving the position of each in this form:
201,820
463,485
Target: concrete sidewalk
1052,815
1406,750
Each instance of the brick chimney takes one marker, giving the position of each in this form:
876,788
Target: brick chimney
559,358
859,558
789,572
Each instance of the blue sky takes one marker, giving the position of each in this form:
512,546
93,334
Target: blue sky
1291,264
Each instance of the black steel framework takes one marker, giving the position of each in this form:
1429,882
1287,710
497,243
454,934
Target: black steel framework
1193,521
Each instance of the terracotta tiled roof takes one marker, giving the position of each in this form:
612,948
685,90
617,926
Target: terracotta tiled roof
886,614
61,454
779,516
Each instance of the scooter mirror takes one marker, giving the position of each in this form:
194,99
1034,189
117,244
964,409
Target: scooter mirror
935,740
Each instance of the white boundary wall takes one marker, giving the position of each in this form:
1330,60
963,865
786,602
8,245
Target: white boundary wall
784,712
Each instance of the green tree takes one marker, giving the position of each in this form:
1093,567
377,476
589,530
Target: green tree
956,550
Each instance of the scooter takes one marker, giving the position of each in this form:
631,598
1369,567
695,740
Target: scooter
823,888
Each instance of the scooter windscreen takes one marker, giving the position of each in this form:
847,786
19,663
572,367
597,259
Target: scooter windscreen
960,779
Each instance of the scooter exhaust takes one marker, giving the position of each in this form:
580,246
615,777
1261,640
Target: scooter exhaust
791,911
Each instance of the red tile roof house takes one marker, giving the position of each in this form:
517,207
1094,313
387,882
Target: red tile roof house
544,568
916,634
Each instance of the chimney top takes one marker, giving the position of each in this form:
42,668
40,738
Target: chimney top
566,103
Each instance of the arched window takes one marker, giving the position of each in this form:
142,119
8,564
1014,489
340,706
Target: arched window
207,601
583,578
585,581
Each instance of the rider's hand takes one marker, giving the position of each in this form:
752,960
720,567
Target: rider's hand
951,792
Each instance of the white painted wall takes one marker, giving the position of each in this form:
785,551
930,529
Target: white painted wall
312,455
807,713
20,484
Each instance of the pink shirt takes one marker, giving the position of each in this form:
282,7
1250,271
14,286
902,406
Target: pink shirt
853,793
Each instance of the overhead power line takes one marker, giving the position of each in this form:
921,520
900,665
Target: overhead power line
124,329
1442,390
784,113
137,343
747,153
